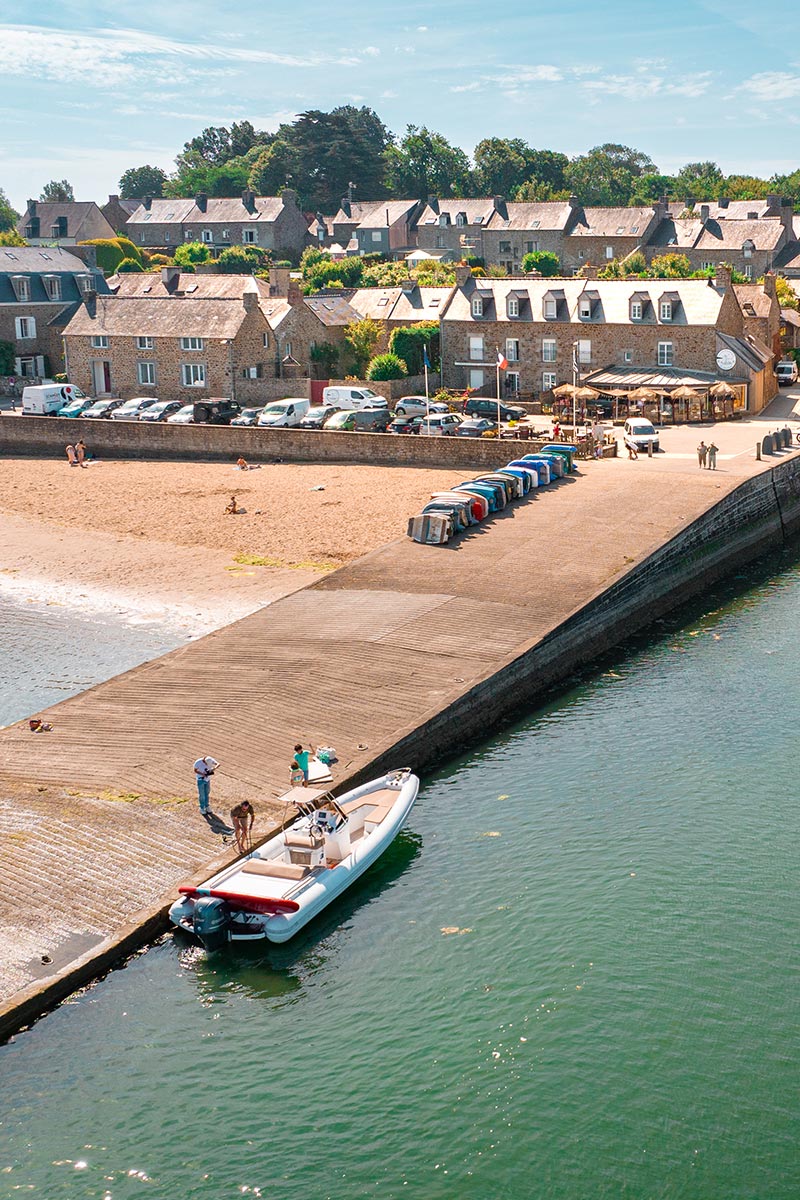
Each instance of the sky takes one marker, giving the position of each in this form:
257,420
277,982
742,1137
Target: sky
94,88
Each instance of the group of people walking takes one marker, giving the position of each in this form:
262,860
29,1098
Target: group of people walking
707,455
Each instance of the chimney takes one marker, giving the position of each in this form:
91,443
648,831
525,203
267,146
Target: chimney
250,295
289,198
574,202
113,199
589,272
705,212
90,300
722,280
31,208
773,203
407,285
463,275
279,282
501,207
769,286
345,206
249,200
171,277
87,254
201,201
689,202
723,202
294,293
433,203
148,202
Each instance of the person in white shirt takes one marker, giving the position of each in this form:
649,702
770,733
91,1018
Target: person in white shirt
203,769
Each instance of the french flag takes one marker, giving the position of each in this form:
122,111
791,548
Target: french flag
502,361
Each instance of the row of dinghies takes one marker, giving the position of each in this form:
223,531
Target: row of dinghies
450,513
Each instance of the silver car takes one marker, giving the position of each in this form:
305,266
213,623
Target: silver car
130,410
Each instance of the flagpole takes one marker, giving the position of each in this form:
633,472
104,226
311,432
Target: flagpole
498,395
427,394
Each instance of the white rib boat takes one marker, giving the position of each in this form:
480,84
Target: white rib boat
284,884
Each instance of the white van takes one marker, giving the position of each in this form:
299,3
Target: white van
640,433
352,397
284,412
786,372
46,399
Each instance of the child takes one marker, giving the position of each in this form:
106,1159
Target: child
297,777
301,757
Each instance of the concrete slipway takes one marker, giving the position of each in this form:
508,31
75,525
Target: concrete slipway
400,658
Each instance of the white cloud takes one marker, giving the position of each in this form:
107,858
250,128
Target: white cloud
769,86
475,86
645,86
422,29
372,51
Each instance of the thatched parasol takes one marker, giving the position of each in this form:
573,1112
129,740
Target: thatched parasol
586,393
721,391
648,395
685,393
564,389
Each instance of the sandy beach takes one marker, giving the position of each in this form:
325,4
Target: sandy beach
152,540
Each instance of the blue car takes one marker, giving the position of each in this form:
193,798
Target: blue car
76,408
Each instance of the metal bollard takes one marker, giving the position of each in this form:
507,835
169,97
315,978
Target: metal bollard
758,451
649,449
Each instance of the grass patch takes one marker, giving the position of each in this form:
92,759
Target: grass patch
120,797
258,560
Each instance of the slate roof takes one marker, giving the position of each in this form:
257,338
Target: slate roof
76,212
477,212
393,304
220,210
753,295
550,214
159,317
332,310
37,261
613,222
199,285
732,234
789,257
386,213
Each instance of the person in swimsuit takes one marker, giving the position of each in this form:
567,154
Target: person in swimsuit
242,818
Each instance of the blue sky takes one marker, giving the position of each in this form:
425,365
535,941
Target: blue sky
93,88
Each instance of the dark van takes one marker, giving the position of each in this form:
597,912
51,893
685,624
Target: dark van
215,412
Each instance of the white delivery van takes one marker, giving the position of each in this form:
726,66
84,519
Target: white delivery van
284,412
46,399
640,433
342,396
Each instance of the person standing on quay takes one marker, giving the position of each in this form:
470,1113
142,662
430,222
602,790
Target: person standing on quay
301,757
242,818
712,456
204,768
702,451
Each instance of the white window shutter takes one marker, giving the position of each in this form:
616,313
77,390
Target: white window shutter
40,364
18,326
17,366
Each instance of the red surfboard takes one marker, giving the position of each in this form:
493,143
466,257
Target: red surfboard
257,904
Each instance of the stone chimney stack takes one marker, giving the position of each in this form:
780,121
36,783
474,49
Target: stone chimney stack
769,286
463,275
723,202
689,202
501,207
249,200
31,208
201,200
294,293
589,272
279,278
705,212
722,281
289,198
433,203
171,277
148,202
90,300
345,206
250,295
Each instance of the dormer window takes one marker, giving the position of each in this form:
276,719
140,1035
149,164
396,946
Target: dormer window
637,309
52,285
747,249
444,219
665,310
461,218
22,287
85,283
550,308
513,306
477,306
585,309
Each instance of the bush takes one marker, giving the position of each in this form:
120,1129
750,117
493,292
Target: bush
129,250
386,366
7,356
109,253
161,260
129,265
285,263
241,260
543,261
190,253
61,377
409,342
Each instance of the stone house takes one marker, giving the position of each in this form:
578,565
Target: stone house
63,224
596,236
520,228
274,223
40,288
186,337
790,329
118,212
456,226
761,311
553,331
390,228
753,236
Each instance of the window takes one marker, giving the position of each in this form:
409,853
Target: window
666,310
584,350
548,380
377,235
505,247
143,237
226,235
512,349
207,236
747,271
99,341
461,218
192,343
146,373
513,306
287,349
476,349
706,266
440,241
550,309
531,247
145,343
85,283
627,356
52,285
476,379
585,310
187,235
25,327
266,340
55,230
665,354
549,350
636,310
167,236
512,382
22,286
193,374
609,252
477,306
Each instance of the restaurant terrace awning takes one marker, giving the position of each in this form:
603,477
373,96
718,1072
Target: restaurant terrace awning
659,378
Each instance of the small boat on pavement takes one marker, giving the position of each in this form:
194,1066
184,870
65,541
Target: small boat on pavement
286,882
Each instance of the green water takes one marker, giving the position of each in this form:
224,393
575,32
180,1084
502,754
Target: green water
616,1015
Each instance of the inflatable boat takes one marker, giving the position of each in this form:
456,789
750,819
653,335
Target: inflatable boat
287,881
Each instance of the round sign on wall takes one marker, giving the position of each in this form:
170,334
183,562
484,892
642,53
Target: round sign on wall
726,359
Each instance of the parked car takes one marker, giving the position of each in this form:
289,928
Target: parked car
184,416
284,413
786,372
76,408
248,416
370,420
102,409
351,397
216,411
476,427
477,407
317,415
405,425
417,406
131,409
161,411
440,424
640,433
47,399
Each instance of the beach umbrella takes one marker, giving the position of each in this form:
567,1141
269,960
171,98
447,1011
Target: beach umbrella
648,395
586,393
564,389
721,391
685,393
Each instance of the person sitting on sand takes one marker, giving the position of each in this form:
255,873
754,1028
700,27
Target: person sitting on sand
72,457
242,464
231,509
37,725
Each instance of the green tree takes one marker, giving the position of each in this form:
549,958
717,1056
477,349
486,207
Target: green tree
10,237
8,215
242,260
7,354
272,170
543,261
137,182
190,253
424,163
410,341
109,253
788,186
787,297
58,190
745,187
129,266
386,366
327,151
325,356
129,248
700,181
533,190
670,266
647,189
195,175
217,144
501,166
606,175
362,337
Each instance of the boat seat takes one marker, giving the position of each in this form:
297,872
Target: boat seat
274,867
384,798
298,842
378,813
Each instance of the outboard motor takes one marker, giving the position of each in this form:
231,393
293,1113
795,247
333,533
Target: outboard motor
211,921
